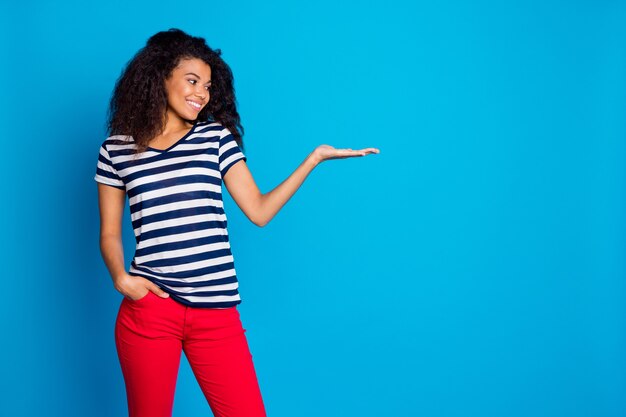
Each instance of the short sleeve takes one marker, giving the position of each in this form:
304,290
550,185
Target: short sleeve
229,151
105,171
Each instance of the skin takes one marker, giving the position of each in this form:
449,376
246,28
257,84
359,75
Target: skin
258,207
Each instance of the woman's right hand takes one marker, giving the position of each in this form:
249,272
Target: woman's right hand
135,287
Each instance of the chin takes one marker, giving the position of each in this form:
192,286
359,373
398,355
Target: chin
190,116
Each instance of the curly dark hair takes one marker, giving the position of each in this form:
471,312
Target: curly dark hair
139,101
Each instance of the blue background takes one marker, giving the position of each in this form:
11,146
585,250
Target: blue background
475,267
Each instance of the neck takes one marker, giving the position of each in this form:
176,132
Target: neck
174,123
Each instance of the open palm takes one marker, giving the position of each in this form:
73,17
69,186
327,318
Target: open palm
324,152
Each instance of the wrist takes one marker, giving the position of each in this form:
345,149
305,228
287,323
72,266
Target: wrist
313,159
118,277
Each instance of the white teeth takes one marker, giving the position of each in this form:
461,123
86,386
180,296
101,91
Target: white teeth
196,105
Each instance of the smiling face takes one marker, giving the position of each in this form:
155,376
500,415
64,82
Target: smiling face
188,88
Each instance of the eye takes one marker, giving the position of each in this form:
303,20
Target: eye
192,81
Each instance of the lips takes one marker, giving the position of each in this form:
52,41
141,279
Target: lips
194,105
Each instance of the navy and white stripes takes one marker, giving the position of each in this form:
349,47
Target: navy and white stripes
177,212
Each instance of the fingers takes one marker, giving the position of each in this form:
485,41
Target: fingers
158,291
362,151
346,153
161,293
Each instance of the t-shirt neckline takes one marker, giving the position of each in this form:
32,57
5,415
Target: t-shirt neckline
178,141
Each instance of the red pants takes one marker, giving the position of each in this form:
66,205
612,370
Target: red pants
150,334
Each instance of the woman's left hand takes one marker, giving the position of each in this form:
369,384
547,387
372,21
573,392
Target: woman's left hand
324,152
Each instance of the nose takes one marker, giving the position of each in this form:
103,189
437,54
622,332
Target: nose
202,93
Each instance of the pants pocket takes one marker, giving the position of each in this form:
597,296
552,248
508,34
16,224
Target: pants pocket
139,300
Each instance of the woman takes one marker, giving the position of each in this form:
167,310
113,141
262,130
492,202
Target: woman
175,139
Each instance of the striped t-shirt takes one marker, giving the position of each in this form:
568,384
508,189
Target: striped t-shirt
177,212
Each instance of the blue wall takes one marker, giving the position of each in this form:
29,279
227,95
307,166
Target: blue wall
475,267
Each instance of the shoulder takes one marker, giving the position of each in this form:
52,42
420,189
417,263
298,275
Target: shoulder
117,140
209,123
116,145
212,128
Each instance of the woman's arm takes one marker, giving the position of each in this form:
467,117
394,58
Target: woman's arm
111,203
261,208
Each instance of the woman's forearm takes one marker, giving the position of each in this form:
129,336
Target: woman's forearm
112,251
273,201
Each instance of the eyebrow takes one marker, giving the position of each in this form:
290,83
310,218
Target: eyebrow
191,73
